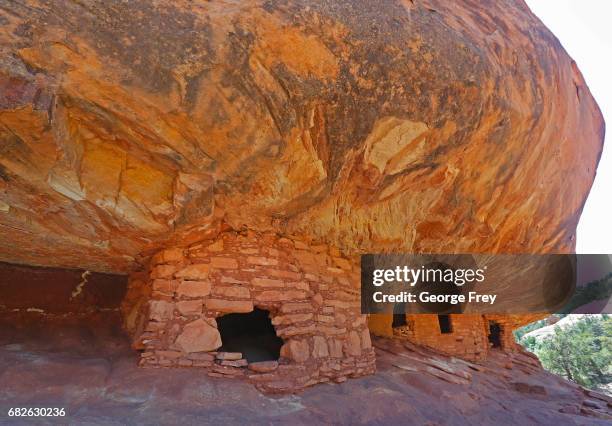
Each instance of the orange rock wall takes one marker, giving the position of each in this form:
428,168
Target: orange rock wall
425,126
311,292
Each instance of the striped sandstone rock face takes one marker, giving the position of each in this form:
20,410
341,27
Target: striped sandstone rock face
423,126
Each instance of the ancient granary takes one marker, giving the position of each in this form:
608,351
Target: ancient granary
308,294
237,160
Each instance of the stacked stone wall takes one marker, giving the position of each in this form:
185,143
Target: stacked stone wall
311,292
467,339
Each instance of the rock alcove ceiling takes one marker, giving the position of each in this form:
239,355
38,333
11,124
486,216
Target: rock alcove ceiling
369,126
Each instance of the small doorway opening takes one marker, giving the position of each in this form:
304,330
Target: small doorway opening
251,334
444,321
399,316
495,334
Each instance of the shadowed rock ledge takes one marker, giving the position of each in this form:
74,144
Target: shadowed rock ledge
413,386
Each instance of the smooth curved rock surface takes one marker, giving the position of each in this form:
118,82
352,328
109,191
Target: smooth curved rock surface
395,125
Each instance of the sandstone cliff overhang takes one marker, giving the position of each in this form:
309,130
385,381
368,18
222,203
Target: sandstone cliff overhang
417,126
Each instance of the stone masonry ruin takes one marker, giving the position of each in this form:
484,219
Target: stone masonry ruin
311,293
468,336
301,303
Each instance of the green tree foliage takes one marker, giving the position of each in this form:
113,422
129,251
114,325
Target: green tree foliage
595,290
581,352
530,343
520,332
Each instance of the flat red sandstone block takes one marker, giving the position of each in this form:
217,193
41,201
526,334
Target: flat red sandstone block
296,331
342,304
290,275
327,319
228,356
262,377
223,263
198,271
267,282
296,350
165,286
163,271
280,296
235,363
320,349
234,292
366,340
263,366
160,310
227,370
230,280
335,348
295,307
292,318
190,307
353,344
201,356
194,288
300,285
169,354
249,251
263,261
221,305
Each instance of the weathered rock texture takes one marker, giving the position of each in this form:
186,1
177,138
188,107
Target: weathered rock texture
311,292
395,125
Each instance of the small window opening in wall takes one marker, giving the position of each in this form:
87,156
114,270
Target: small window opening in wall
252,334
445,324
495,334
399,316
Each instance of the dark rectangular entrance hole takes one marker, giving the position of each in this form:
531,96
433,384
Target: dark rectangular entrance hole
495,334
251,334
399,315
445,324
